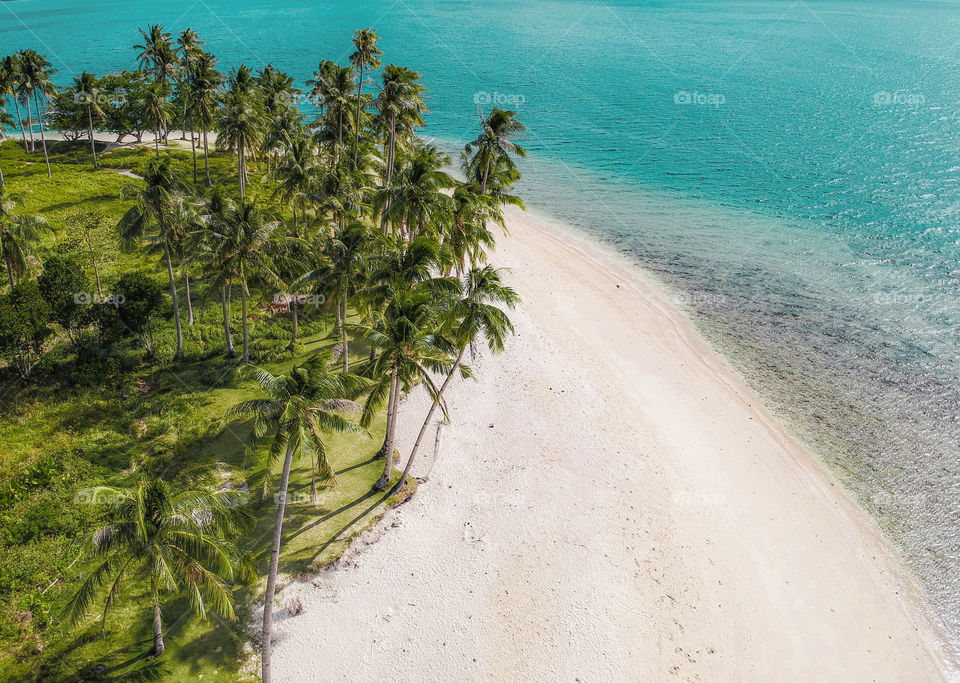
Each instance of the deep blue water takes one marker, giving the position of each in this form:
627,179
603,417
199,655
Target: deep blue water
790,168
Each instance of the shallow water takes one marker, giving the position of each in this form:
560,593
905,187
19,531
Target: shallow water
789,167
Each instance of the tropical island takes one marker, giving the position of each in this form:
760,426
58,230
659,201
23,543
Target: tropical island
206,336
288,392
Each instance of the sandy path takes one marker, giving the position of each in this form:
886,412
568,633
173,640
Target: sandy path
608,504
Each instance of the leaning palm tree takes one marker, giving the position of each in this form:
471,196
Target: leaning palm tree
401,105
84,93
493,146
180,542
367,55
410,350
152,218
36,73
19,235
190,48
474,314
300,408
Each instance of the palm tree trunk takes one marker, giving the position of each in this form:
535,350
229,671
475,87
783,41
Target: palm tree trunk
231,352
243,311
93,143
156,142
356,140
186,291
387,449
426,422
486,175
240,168
23,131
206,165
296,322
158,646
176,306
43,139
265,645
343,335
193,149
33,144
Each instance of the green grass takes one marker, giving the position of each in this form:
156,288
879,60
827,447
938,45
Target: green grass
62,432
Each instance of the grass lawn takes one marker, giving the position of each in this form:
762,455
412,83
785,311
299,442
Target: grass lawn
60,433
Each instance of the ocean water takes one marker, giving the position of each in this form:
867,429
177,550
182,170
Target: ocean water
789,168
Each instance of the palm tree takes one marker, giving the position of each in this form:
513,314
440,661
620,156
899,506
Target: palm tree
419,197
474,314
493,146
241,122
401,104
205,82
157,110
9,83
295,175
345,255
19,235
333,87
158,58
180,541
5,121
409,351
367,55
190,48
84,92
152,218
208,242
249,240
467,235
299,410
36,72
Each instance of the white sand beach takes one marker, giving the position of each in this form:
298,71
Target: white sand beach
609,503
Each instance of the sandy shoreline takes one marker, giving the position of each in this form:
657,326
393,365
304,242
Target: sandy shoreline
610,502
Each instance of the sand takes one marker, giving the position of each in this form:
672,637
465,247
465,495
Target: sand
609,502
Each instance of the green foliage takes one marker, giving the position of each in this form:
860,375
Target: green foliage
66,289
24,326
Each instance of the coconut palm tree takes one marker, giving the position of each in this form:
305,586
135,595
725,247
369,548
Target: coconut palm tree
367,56
401,106
157,109
157,57
241,121
344,257
205,82
474,314
6,121
36,73
84,93
419,196
333,87
9,83
300,408
207,241
410,350
19,235
190,48
493,146
180,542
250,239
152,219
295,175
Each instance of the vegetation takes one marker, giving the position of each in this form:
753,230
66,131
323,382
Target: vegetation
141,448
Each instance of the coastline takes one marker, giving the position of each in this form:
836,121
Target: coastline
613,509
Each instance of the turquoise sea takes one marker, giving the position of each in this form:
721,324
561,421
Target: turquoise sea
789,168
